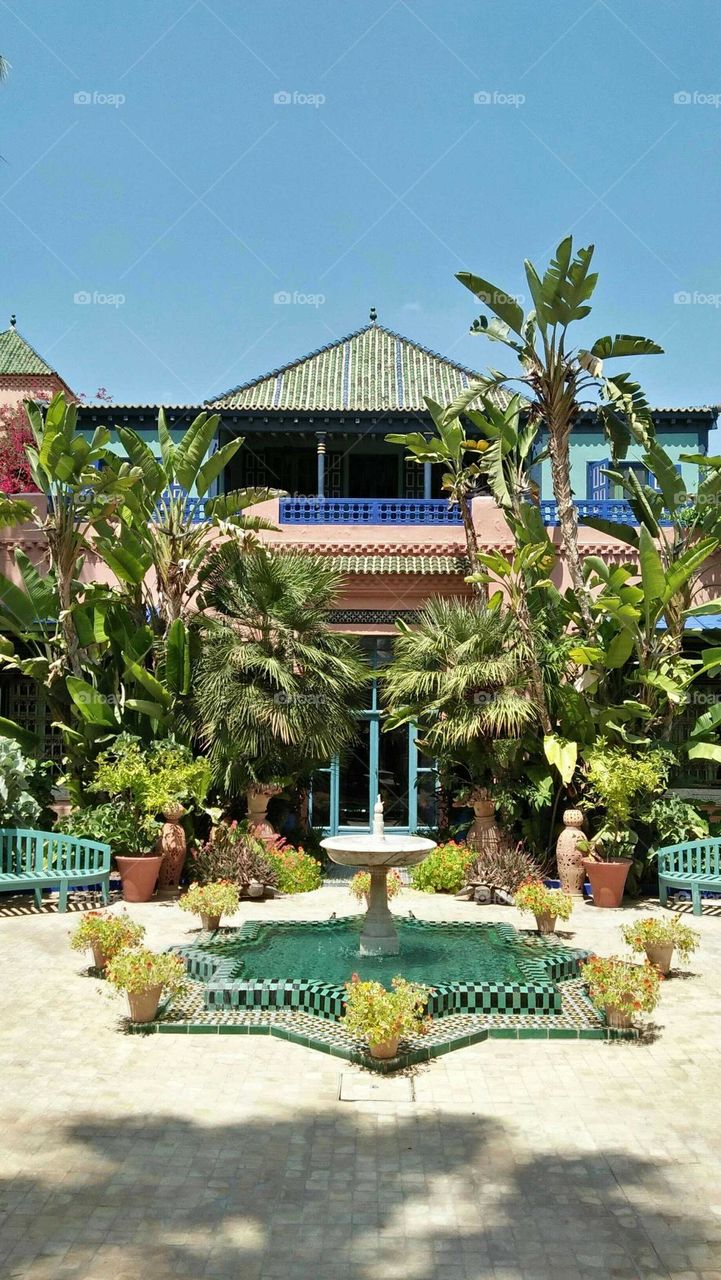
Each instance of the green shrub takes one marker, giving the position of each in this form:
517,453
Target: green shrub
444,870
296,870
22,779
129,834
153,778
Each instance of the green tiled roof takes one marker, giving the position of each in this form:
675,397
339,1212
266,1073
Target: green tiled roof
18,357
372,370
400,564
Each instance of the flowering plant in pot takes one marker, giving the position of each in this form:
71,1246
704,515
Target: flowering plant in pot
234,854
620,989
105,935
547,905
144,975
360,885
380,1016
660,938
211,901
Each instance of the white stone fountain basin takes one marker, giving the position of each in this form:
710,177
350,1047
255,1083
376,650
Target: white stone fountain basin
378,853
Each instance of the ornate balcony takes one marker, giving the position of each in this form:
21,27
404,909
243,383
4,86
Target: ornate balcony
373,511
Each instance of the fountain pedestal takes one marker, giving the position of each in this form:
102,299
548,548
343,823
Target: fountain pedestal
379,936
378,853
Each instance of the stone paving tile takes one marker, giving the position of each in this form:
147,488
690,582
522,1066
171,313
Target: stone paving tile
126,1157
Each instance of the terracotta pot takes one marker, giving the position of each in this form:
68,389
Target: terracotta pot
614,1018
258,799
569,857
172,848
385,1049
660,954
608,880
144,1004
546,923
210,923
484,834
100,959
139,877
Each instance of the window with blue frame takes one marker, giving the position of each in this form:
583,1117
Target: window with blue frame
601,488
379,762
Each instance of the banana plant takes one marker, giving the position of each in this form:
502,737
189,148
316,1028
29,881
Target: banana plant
161,538
450,448
84,486
560,380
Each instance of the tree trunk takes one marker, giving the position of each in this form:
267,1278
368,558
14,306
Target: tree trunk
561,479
480,589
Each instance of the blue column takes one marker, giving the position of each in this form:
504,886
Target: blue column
427,479
320,451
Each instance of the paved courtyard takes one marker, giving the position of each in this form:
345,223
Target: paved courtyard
140,1158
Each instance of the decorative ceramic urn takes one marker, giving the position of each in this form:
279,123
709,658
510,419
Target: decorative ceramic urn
172,847
569,857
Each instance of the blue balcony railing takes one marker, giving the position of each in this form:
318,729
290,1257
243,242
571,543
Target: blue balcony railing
415,511
615,509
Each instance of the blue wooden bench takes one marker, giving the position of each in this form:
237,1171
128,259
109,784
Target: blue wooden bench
695,866
40,860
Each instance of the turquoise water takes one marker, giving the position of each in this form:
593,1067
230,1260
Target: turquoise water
429,953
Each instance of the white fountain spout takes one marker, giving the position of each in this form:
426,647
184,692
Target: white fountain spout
378,823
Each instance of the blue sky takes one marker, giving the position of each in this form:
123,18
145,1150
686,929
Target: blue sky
185,189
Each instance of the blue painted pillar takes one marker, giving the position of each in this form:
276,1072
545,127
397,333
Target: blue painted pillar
427,479
320,451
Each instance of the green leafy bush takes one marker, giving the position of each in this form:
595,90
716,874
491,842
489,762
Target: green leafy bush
218,898
153,779
296,870
137,969
108,933
129,834
22,780
377,1015
444,870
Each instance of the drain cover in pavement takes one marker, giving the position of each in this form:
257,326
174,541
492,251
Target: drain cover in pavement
360,1086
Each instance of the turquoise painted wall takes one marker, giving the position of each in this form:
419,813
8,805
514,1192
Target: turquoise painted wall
592,446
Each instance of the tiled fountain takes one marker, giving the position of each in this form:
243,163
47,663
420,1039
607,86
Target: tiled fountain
287,978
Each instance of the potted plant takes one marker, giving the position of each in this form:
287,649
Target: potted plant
210,902
360,885
233,854
132,836
620,989
380,1016
660,938
547,905
105,935
159,779
618,780
144,975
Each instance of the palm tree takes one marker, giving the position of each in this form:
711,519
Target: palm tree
277,690
460,675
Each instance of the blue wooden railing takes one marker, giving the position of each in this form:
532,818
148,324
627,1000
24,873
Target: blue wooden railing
615,509
417,511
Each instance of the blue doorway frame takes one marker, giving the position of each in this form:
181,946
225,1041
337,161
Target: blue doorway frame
413,798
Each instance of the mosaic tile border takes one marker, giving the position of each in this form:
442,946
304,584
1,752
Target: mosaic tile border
548,963
577,1020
